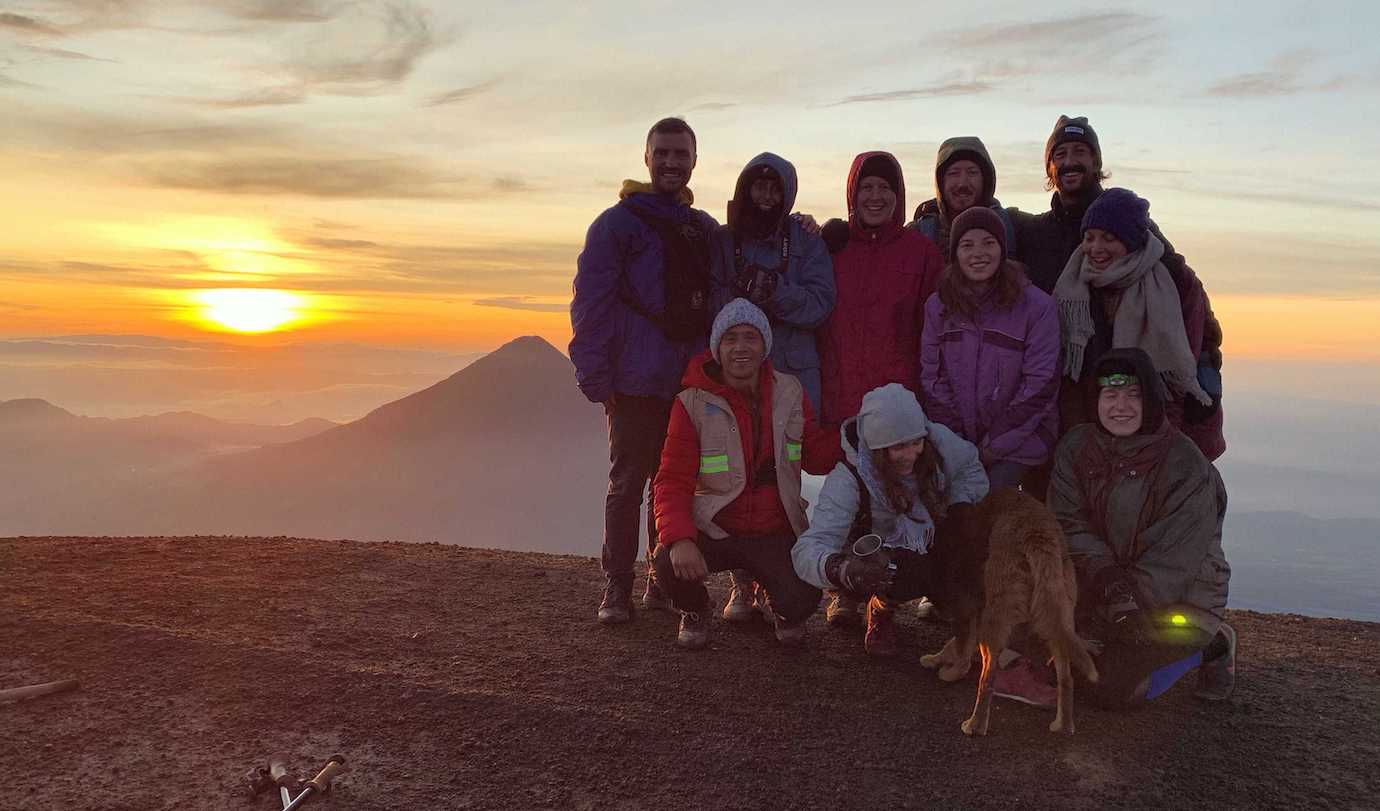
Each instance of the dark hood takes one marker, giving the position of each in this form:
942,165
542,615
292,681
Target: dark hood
971,148
742,198
1132,360
898,217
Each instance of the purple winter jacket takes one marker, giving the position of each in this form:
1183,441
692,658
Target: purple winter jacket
995,382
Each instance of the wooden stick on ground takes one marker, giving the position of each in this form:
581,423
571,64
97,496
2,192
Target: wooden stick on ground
36,690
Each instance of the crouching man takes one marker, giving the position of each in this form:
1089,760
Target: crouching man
727,494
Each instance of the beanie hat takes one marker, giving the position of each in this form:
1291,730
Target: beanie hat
1073,129
1122,213
977,217
736,312
890,415
881,166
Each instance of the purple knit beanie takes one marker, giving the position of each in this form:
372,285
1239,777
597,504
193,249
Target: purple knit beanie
977,217
1122,213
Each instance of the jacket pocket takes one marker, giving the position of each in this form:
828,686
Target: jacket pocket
714,475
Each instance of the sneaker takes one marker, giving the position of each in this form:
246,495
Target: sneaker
1217,677
927,610
742,600
617,605
881,630
1027,683
789,633
694,630
654,599
842,611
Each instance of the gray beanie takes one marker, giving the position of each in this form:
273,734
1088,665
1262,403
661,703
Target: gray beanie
738,311
891,415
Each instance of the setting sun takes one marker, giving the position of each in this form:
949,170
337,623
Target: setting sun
250,310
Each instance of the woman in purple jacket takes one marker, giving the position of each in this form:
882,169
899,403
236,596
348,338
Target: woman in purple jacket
990,352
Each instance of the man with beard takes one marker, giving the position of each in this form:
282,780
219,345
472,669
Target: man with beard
1073,166
633,337
772,260
964,176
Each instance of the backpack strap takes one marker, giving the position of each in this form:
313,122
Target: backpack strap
862,519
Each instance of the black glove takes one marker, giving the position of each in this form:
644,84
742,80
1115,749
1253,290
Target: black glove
835,235
869,575
1121,610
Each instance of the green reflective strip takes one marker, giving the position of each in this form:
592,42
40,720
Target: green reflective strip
793,451
714,464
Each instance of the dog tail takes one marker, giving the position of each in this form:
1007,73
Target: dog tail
1056,593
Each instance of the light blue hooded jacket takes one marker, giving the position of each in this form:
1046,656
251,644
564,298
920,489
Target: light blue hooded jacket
962,479
805,292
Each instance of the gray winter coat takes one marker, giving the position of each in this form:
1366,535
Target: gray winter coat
964,480
1180,565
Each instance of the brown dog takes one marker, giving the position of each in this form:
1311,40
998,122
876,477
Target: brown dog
1003,563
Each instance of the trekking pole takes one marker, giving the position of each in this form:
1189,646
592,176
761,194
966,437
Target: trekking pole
318,784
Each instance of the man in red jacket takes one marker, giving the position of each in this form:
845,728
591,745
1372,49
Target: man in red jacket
727,493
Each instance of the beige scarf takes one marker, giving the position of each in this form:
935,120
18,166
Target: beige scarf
1150,315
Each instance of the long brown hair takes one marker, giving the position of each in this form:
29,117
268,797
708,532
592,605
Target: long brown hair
927,472
956,293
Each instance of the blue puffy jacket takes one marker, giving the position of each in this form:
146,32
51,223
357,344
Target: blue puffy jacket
805,293
615,349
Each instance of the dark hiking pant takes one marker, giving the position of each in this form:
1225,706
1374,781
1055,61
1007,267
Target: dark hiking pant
637,430
1134,671
767,560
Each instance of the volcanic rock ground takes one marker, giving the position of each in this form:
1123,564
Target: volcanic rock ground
451,677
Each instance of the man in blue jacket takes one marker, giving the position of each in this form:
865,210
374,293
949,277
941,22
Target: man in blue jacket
624,357
774,261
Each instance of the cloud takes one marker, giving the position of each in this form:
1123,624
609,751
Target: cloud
353,58
1050,33
64,53
289,11
931,91
1275,83
263,97
522,303
1105,43
459,94
28,25
7,81
329,177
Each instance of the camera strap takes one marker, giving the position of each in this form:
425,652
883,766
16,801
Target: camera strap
739,263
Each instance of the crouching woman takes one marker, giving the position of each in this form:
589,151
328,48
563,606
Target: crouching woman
1142,510
899,476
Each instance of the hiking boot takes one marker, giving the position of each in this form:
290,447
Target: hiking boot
1217,677
790,633
1026,682
742,600
881,630
694,630
654,599
928,611
617,605
842,611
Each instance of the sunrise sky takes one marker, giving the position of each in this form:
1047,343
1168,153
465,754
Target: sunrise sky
421,174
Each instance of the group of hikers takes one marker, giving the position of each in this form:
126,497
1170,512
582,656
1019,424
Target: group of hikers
1071,353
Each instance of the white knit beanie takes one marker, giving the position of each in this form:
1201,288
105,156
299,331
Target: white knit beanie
738,311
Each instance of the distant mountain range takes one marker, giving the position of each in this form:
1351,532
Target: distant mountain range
505,453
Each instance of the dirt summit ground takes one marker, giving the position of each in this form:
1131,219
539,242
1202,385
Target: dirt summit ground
451,677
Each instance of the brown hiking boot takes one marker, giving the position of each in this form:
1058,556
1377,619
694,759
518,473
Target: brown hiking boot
881,629
842,611
742,600
693,633
654,599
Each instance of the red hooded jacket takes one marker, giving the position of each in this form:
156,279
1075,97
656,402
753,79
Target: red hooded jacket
883,278
757,511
